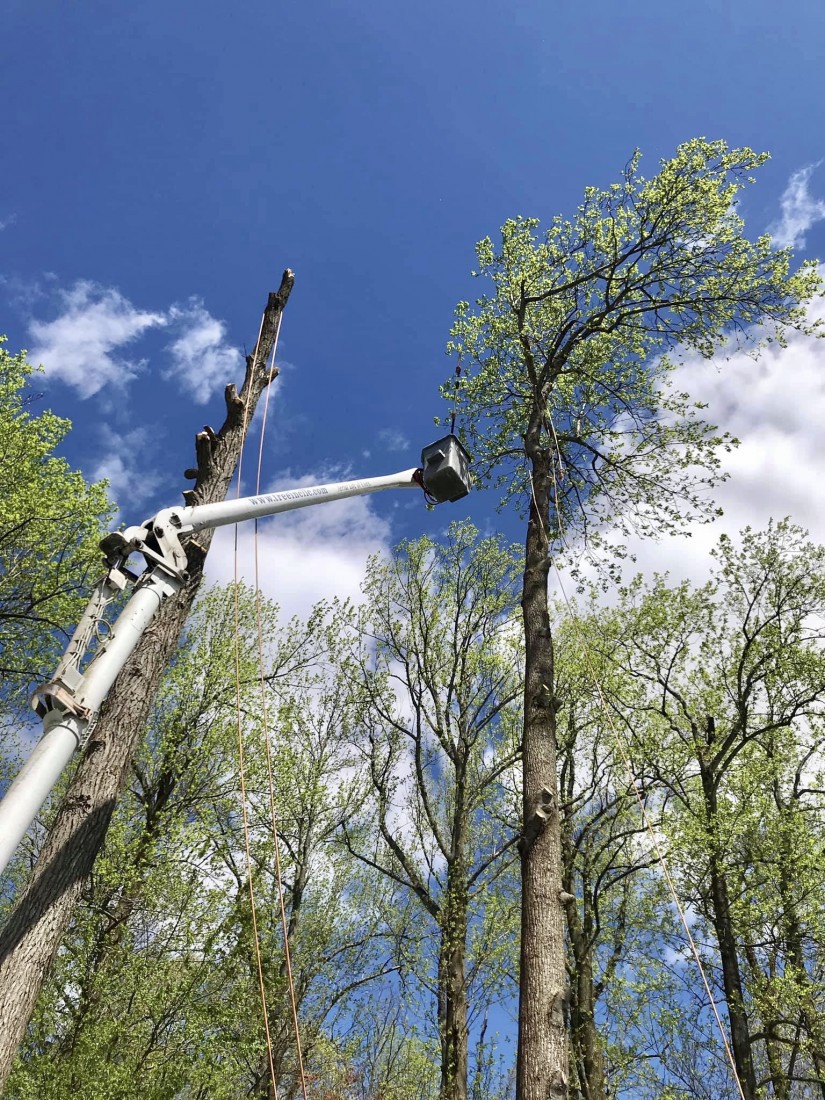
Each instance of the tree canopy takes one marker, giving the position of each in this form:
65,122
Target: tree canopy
50,523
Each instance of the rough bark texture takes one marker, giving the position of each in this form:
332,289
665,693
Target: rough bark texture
586,1051
33,932
542,1049
452,983
728,953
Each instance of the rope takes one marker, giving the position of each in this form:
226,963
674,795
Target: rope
264,715
242,761
629,774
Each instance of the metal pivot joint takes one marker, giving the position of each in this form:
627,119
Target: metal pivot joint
96,645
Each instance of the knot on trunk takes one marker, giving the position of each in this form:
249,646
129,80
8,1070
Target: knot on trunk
536,819
546,699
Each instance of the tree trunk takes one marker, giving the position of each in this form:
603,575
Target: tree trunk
35,927
775,1047
584,1039
541,1072
792,932
723,926
452,986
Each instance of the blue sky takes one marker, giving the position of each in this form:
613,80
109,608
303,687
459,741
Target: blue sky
165,162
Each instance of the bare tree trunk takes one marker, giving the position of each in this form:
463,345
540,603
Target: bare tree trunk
542,1045
33,932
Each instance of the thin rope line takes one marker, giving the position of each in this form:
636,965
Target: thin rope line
241,756
265,721
629,775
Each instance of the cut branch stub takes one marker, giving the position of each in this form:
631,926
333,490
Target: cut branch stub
216,453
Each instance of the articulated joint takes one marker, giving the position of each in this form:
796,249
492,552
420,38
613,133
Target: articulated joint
158,541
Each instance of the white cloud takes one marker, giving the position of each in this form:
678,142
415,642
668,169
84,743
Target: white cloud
307,555
201,360
83,346
393,439
776,407
7,221
79,345
800,211
122,465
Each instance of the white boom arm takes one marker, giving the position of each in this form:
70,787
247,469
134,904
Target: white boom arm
69,703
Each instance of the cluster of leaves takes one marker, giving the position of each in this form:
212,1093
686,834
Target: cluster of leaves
574,349
50,524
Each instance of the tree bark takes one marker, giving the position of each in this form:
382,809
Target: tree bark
452,985
792,931
585,1044
541,1072
728,954
33,932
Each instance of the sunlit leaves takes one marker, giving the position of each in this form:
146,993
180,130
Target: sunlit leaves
571,352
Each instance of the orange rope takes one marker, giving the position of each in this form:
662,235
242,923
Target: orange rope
264,715
242,765
631,778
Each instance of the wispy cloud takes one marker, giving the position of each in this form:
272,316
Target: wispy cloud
10,219
393,439
121,464
800,211
86,344
202,361
80,345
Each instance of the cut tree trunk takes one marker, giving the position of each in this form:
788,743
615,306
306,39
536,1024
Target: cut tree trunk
32,934
542,1044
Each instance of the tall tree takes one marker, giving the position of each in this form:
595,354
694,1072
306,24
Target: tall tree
50,524
604,851
735,694
437,673
32,933
567,400
335,911
156,988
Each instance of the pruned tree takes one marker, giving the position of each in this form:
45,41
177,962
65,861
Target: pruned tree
156,988
33,931
568,402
